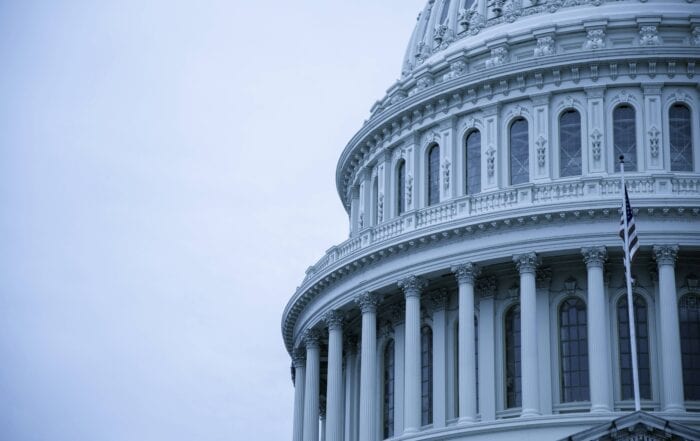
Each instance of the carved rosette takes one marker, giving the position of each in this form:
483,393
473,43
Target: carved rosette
466,272
412,286
312,338
486,286
367,301
526,263
334,320
594,257
665,254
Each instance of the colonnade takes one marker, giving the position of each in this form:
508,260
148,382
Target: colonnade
341,424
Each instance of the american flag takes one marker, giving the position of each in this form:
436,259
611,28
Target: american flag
632,244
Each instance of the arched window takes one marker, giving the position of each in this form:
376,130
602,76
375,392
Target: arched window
426,346
375,201
473,162
625,135
519,152
573,351
513,378
642,330
389,389
570,144
689,314
401,188
434,175
680,138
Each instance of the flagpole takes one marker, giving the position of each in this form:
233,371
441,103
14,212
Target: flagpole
630,302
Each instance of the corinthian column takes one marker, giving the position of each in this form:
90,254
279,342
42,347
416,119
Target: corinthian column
598,346
465,274
299,382
368,365
313,385
412,287
334,392
526,265
671,363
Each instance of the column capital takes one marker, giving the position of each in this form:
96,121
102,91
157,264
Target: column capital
486,286
594,257
466,272
299,358
526,263
334,320
665,254
367,301
312,339
439,299
412,285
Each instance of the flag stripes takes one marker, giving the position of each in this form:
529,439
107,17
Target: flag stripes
632,244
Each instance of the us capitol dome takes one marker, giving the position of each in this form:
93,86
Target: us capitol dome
481,292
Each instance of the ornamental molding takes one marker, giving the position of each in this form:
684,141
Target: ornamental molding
412,285
517,111
491,161
432,137
570,286
486,286
695,36
368,302
499,56
439,299
654,141
624,97
594,257
595,39
543,278
649,36
457,69
545,47
541,144
679,96
466,272
596,144
665,254
472,122
446,174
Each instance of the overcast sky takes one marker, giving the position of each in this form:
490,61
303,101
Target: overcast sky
166,177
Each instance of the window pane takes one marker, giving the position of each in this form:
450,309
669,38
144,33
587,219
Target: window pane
513,384
426,375
625,136
570,144
689,309
573,342
389,390
680,138
473,157
641,327
434,175
400,188
519,152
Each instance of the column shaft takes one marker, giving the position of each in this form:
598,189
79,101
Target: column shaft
467,345
598,344
299,384
412,411
487,361
439,360
334,392
528,335
311,395
368,367
671,362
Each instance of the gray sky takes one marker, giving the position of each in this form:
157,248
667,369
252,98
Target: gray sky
166,176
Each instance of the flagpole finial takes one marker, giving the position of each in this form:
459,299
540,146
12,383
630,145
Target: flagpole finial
622,159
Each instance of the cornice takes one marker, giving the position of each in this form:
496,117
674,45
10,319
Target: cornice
473,228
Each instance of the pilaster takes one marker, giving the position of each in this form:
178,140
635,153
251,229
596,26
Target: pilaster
654,155
595,138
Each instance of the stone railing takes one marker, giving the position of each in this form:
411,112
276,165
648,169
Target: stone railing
584,190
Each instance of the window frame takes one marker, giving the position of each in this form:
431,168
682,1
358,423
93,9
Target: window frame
528,148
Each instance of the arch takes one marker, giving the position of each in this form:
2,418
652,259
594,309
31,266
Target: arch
641,320
573,350
624,122
433,181
401,187
512,380
689,321
388,390
426,346
680,137
570,147
519,151
472,161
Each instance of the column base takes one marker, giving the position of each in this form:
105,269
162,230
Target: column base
600,408
526,413
675,408
466,420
